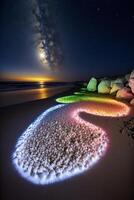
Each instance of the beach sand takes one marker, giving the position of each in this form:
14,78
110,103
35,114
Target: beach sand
112,178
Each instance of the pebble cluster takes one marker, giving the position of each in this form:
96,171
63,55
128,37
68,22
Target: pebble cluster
129,127
57,146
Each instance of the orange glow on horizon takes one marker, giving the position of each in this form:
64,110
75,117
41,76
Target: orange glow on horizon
27,78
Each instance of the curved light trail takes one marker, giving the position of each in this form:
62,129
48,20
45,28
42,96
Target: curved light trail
98,105
59,145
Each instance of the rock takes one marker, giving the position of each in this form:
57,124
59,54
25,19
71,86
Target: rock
92,85
131,81
124,93
118,81
104,87
116,87
132,102
127,76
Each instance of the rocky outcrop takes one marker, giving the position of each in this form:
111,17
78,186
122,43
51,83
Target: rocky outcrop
124,93
104,87
92,85
121,88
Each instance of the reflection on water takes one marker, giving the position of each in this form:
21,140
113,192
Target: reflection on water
21,96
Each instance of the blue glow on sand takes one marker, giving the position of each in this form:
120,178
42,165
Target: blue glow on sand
58,145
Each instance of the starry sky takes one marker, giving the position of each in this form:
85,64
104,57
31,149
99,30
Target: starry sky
97,38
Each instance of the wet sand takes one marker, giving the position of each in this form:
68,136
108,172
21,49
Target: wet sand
112,178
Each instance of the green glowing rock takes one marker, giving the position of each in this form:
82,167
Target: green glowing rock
104,87
92,85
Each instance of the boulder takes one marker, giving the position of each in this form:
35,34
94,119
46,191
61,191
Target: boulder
116,87
92,85
117,81
124,93
131,81
104,87
132,102
127,76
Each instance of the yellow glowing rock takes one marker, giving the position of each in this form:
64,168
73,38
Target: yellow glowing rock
116,87
104,87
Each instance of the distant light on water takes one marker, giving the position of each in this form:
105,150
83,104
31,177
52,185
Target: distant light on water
41,84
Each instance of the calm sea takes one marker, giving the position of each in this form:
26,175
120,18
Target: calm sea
19,93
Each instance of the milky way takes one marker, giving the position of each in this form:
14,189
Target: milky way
46,36
58,145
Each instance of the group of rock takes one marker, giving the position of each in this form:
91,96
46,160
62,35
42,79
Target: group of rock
121,88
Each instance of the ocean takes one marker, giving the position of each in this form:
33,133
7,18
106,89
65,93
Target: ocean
16,93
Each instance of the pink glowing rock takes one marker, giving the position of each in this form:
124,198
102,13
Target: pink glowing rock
132,102
124,93
131,81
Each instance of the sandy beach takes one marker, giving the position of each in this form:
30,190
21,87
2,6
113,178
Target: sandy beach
110,179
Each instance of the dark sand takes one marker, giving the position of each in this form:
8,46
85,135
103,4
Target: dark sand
112,178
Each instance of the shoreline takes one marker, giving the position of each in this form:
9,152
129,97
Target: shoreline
11,98
112,177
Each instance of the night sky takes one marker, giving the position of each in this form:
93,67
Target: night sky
97,38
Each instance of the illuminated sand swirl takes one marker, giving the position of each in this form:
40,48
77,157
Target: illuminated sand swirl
111,108
98,105
58,145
